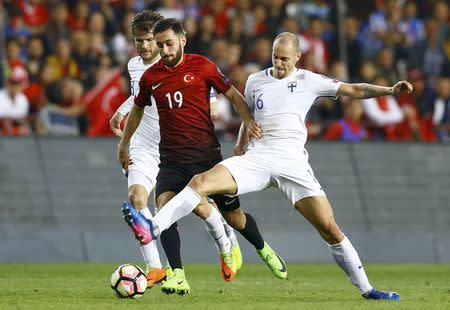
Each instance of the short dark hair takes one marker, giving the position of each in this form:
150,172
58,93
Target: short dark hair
169,23
144,21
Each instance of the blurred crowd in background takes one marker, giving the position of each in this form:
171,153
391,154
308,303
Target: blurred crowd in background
64,62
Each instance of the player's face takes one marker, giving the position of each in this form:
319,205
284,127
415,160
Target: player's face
171,47
284,58
146,46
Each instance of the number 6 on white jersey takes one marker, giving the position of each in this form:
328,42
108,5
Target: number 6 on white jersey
259,101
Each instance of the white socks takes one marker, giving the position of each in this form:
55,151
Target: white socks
183,204
215,228
179,206
150,251
347,258
229,231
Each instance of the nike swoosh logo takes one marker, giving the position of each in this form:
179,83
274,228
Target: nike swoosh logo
179,282
219,237
156,86
227,203
359,267
283,264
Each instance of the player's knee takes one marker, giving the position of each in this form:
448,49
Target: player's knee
137,200
331,233
197,183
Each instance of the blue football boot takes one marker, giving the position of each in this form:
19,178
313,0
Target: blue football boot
141,227
376,294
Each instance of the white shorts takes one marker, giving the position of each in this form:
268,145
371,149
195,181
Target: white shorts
144,169
255,171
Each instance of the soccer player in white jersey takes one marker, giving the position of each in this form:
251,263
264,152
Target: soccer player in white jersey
280,98
144,152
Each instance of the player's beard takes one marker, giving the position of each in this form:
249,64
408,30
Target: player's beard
152,55
176,58
281,73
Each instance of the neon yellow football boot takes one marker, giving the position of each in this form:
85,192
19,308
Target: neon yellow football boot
176,283
273,261
236,250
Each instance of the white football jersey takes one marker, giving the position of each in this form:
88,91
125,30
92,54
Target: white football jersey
281,105
147,133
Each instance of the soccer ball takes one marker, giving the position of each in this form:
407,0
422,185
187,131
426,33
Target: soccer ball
129,281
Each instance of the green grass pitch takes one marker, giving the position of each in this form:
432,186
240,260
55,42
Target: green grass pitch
310,286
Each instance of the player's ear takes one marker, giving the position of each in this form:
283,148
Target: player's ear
298,56
183,40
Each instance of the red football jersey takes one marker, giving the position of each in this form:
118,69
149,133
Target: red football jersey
182,97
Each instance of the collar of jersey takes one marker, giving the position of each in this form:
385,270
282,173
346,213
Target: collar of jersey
267,72
175,68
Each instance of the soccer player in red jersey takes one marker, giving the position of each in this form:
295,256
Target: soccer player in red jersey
180,85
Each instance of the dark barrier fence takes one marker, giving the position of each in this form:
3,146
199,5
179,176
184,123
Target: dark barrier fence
60,201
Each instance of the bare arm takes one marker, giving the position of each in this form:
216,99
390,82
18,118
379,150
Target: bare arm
252,129
239,104
364,91
214,110
133,121
114,123
241,141
122,111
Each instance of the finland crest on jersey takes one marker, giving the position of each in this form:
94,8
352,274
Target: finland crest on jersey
281,105
292,86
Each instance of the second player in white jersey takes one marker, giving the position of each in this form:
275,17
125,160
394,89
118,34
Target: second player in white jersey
144,166
144,145
148,131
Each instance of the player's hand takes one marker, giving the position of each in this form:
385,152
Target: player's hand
125,172
122,155
402,87
253,130
114,124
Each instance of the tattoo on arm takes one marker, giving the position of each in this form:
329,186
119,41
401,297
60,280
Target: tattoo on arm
370,91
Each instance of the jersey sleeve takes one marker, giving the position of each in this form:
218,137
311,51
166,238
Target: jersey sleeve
215,78
125,108
324,86
144,96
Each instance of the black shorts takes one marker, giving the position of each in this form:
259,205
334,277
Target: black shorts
173,177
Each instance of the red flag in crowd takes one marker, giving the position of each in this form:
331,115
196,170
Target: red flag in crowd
101,103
